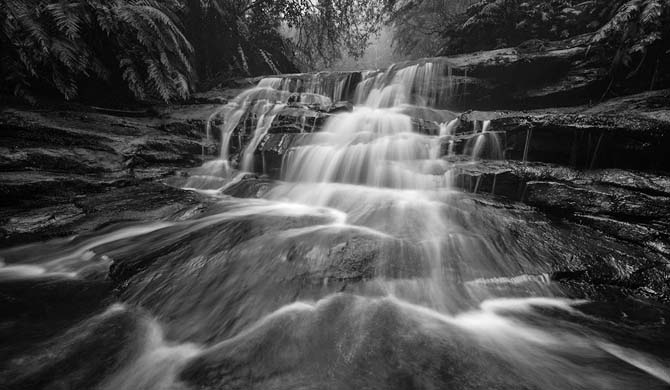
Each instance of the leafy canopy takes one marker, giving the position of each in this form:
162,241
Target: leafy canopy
262,36
157,47
61,43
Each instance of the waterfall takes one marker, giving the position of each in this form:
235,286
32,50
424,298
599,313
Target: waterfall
448,128
268,112
374,159
332,85
360,265
484,145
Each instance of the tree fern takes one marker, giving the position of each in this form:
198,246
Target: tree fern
61,43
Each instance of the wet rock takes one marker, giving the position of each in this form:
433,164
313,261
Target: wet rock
250,186
296,120
557,73
250,266
613,201
62,221
347,337
38,206
631,206
425,127
72,360
428,114
65,171
333,336
622,133
273,148
42,219
35,309
617,141
89,142
339,107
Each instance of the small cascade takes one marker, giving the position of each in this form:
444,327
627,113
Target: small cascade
255,110
233,113
264,122
369,146
371,79
426,84
595,151
157,365
250,104
485,126
335,86
449,129
272,82
485,144
405,92
526,148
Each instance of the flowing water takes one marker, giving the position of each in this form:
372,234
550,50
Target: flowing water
361,268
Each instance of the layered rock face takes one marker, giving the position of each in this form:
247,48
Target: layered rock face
69,171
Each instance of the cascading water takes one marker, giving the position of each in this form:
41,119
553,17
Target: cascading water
360,268
484,144
333,86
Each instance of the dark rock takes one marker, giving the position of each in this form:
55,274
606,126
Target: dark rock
194,275
72,360
63,172
622,133
250,186
425,127
428,114
85,142
339,107
557,73
35,309
296,120
348,338
630,206
271,151
39,206
612,201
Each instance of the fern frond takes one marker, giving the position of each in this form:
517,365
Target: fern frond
65,20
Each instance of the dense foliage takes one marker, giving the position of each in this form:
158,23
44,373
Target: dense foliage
158,48
420,25
498,23
633,36
162,48
245,37
63,44
465,25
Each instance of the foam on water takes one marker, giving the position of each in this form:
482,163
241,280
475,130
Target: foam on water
157,365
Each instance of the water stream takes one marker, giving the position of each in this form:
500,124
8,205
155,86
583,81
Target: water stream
362,267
